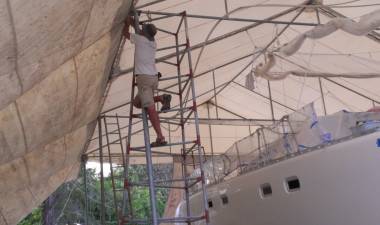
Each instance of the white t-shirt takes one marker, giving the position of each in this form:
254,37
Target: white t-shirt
145,55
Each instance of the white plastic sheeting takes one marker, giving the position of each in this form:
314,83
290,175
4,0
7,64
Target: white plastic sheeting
264,72
366,24
55,58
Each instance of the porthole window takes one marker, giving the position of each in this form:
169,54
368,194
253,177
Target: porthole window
293,184
210,204
266,190
224,199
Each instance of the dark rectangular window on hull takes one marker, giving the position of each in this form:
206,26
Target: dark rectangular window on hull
266,190
210,204
224,199
293,184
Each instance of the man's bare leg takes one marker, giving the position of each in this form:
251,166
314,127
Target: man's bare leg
153,117
155,120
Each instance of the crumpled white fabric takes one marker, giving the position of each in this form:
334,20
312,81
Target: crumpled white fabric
262,70
366,24
250,81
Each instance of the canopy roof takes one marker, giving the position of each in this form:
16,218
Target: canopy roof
229,49
56,56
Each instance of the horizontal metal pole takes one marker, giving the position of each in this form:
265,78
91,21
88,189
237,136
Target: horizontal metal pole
185,109
155,19
161,153
257,93
170,180
170,47
166,220
169,63
351,90
219,121
236,122
216,39
332,81
138,131
165,31
165,90
230,18
149,4
173,77
161,146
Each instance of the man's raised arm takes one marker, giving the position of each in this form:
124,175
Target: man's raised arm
136,24
127,23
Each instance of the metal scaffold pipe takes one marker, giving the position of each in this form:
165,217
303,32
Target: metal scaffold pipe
196,117
197,16
149,166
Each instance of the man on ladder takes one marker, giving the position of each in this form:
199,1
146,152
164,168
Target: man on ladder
146,73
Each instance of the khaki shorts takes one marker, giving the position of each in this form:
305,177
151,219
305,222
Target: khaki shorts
146,85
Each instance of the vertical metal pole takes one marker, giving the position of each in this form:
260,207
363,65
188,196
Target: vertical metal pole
292,132
238,157
322,96
111,167
200,156
216,100
148,156
170,138
266,149
319,79
85,191
226,7
211,143
259,146
373,103
183,135
127,193
102,196
120,140
270,100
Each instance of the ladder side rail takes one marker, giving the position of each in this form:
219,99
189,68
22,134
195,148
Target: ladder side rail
124,163
111,167
149,165
120,141
127,194
102,190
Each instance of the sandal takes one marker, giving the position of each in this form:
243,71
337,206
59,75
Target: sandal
159,142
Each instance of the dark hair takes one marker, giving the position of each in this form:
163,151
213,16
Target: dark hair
150,29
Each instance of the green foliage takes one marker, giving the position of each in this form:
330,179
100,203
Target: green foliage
68,205
35,218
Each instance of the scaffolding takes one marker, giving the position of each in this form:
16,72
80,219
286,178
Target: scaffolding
189,153
118,153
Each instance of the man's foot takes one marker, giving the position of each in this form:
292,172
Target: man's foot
159,142
166,99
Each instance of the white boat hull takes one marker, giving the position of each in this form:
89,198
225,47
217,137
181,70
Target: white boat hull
339,185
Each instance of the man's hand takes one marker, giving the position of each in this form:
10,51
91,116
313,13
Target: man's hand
129,20
127,23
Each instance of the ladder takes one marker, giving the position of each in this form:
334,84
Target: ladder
188,148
